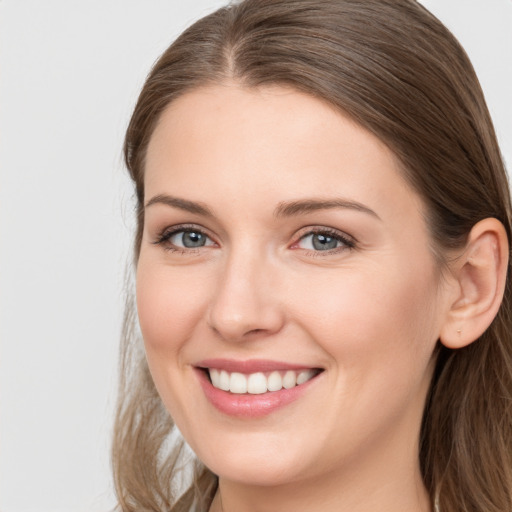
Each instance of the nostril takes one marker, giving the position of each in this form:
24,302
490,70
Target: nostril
254,331
237,332
236,317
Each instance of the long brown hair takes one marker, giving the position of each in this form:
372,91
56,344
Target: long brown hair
397,71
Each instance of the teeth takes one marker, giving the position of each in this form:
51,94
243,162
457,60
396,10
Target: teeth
238,383
304,376
258,383
289,380
215,377
275,382
224,380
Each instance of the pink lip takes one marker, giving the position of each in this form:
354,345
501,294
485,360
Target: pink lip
250,366
247,405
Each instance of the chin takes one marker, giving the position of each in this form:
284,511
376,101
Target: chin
255,459
258,473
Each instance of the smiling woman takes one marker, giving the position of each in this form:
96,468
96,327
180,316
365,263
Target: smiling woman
322,254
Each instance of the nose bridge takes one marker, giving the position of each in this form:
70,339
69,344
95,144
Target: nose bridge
245,302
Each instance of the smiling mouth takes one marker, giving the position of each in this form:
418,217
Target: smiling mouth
260,382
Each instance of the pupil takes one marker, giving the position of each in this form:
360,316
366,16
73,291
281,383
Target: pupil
324,243
193,239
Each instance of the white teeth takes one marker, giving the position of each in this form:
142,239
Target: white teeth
304,376
289,380
215,377
275,382
258,383
223,381
238,383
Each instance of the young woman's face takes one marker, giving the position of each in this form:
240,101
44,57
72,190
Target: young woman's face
281,243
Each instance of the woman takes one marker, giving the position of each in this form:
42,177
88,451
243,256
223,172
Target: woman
322,253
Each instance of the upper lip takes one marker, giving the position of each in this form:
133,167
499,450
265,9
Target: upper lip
251,365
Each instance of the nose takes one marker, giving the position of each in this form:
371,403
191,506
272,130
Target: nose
246,302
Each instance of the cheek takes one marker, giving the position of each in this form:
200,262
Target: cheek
170,304
379,333
373,316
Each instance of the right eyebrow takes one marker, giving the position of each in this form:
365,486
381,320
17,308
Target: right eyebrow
181,204
312,205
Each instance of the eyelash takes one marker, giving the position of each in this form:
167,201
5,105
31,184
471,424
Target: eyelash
348,243
164,237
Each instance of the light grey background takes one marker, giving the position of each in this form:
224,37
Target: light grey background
70,74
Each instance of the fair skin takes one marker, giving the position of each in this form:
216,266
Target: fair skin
344,285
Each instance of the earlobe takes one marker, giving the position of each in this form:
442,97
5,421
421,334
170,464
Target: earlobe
479,278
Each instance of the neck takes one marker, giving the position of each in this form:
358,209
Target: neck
316,498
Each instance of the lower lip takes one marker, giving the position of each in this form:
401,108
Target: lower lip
247,405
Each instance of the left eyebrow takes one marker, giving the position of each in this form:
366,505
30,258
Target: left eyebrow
301,207
180,204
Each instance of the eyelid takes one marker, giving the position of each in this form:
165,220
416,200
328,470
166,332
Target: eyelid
348,241
168,232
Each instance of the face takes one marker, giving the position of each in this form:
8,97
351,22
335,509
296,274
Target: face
285,260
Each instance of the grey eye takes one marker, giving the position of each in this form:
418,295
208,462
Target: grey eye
320,242
324,242
189,239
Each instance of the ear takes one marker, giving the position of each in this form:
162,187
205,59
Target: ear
479,283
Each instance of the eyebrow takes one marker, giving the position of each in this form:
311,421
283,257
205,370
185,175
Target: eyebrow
181,204
301,207
284,209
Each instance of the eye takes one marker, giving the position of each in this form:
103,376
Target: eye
324,240
188,239
182,238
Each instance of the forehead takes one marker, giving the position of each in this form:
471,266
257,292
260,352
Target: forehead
271,144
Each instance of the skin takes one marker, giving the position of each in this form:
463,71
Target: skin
369,315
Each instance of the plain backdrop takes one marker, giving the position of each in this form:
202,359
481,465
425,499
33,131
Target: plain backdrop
70,72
